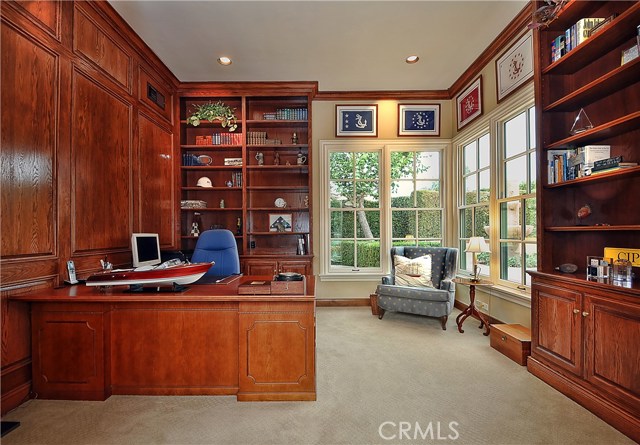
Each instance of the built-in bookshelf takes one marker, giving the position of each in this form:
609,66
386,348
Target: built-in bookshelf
260,173
585,332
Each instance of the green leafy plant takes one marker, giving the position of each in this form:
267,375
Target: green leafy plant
214,112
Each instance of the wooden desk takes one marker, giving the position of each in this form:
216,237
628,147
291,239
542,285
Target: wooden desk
89,343
471,309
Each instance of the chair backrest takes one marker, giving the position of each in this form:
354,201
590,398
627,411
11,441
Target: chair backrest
444,260
218,245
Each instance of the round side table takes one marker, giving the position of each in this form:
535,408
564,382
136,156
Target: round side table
471,309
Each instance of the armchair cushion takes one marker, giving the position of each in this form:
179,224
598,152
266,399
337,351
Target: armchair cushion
413,272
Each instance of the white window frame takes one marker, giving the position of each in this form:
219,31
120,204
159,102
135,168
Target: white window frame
327,272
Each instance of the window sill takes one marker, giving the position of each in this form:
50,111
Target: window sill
352,277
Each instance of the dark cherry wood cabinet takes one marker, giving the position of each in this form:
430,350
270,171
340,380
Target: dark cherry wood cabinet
271,178
585,334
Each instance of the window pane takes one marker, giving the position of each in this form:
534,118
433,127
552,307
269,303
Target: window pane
367,165
368,224
428,194
402,194
515,134
428,165
429,224
482,221
531,255
401,165
470,190
484,261
342,224
470,163
465,223
530,218
368,253
466,258
430,243
532,172
511,262
532,127
516,177
367,194
484,151
342,253
403,223
485,186
341,165
405,242
341,194
511,220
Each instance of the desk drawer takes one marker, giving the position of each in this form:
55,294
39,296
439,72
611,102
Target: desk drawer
513,340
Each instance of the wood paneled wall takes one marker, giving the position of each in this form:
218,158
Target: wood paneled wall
87,158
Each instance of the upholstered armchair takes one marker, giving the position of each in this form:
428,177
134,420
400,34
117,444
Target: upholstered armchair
420,282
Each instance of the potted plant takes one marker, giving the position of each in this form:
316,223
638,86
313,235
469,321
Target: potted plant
212,112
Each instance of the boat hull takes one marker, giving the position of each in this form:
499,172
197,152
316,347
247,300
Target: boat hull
176,275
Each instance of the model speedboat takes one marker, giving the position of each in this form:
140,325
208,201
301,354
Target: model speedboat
172,275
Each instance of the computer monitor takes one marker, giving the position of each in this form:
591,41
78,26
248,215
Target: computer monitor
145,248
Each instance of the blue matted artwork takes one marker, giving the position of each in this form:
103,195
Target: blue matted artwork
356,120
419,120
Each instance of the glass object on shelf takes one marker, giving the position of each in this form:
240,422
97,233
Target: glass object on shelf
301,159
622,270
598,267
222,203
260,158
294,138
582,123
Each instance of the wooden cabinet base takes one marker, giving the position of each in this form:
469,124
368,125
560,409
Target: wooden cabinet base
619,418
513,340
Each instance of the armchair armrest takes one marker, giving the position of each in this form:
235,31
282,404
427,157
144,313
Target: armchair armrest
447,285
389,279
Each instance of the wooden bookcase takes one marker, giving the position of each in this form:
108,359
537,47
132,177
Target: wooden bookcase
584,333
269,114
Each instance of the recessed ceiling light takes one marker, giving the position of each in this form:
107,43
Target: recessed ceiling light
224,61
412,59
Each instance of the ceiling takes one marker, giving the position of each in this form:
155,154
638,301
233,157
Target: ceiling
344,45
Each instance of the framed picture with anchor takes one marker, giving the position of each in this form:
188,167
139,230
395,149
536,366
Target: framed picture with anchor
356,120
515,66
419,120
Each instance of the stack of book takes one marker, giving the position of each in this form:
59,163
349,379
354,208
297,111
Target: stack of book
611,164
576,34
572,163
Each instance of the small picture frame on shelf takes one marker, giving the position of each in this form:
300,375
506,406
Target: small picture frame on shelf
419,120
630,54
515,66
280,222
469,103
356,121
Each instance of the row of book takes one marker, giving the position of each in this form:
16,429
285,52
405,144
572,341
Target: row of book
573,163
220,139
576,34
236,179
260,138
287,114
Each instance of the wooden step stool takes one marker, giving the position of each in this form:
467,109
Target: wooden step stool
513,340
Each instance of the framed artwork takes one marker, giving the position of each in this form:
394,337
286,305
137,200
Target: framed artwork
280,222
419,120
357,120
515,67
469,103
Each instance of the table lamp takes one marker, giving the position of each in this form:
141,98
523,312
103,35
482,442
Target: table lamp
476,245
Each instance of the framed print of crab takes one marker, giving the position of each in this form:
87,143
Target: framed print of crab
419,120
515,67
469,103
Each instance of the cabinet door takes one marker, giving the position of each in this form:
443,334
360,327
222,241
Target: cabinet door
277,351
301,267
612,356
260,267
557,326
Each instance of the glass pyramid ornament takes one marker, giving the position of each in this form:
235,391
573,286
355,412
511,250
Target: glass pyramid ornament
582,123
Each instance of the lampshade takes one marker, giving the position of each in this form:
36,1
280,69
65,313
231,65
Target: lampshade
477,244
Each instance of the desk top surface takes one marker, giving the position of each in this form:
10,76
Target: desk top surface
227,290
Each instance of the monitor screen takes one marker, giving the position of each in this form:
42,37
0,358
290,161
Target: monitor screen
145,248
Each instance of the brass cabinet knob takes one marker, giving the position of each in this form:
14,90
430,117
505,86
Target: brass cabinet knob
576,311
503,338
584,314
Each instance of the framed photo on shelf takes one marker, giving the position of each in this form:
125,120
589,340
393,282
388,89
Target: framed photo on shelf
280,222
515,67
419,120
469,103
356,120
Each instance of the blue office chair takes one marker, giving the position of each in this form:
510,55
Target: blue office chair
220,246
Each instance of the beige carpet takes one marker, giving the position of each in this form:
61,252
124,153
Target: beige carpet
391,381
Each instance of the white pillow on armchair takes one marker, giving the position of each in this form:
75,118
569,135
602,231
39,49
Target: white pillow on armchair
413,272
